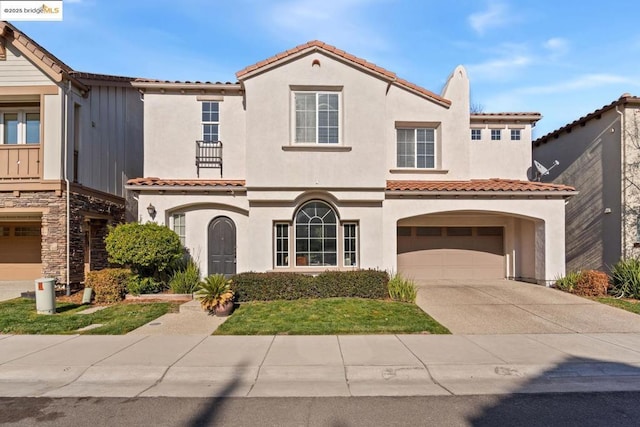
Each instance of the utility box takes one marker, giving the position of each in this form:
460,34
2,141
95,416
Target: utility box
45,296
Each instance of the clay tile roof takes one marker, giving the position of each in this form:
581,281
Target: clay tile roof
157,182
316,44
475,185
625,98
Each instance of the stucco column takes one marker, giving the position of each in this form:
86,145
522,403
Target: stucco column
540,253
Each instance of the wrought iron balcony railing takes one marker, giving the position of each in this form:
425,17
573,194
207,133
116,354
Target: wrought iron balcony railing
208,155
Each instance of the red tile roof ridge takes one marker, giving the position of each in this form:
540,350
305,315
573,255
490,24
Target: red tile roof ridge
154,181
345,55
492,184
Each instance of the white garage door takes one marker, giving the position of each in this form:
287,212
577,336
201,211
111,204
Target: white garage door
451,252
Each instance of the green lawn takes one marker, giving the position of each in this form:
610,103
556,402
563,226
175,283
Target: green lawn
328,317
629,305
19,316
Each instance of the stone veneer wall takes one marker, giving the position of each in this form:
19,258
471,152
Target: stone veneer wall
53,249
82,205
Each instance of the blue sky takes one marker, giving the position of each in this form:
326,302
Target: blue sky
562,58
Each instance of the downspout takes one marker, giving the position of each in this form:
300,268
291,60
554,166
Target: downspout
623,182
65,143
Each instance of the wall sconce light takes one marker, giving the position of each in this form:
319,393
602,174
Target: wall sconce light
152,211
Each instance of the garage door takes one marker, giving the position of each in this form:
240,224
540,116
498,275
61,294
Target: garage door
451,252
20,251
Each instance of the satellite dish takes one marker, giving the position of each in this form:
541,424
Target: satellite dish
542,170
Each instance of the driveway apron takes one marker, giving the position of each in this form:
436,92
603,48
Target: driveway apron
509,307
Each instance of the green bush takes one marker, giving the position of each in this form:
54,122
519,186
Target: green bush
149,249
568,282
214,292
625,278
144,285
291,286
185,280
401,289
109,285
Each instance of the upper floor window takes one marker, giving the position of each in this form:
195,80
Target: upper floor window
496,134
317,117
515,134
210,121
19,127
416,148
476,134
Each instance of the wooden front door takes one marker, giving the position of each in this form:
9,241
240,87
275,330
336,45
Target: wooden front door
222,246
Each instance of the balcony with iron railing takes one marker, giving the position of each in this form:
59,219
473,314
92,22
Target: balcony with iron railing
208,156
20,162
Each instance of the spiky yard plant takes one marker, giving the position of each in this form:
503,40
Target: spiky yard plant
214,292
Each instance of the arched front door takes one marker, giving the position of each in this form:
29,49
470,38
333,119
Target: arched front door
222,246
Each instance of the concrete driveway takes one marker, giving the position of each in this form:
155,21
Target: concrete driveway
510,307
12,289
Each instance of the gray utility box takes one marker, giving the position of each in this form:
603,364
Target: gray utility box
45,296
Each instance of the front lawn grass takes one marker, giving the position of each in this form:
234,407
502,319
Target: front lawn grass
329,317
625,304
18,316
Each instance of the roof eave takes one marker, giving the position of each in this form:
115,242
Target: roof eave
196,188
554,193
185,85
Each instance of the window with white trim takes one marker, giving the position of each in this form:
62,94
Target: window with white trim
20,126
317,117
281,249
476,134
515,134
210,121
350,238
416,148
179,226
496,134
316,238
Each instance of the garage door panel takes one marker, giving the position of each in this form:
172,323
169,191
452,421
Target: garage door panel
451,257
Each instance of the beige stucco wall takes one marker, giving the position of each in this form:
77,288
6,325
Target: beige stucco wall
548,250
501,159
173,124
589,159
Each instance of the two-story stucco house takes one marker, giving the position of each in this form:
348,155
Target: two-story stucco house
316,159
600,155
68,143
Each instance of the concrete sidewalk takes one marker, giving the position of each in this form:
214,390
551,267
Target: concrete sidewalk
373,365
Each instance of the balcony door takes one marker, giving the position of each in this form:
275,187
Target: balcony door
222,246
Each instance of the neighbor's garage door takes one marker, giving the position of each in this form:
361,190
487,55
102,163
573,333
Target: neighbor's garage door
20,251
451,252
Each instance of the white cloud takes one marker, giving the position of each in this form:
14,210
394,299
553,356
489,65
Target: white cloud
557,46
339,22
587,81
495,16
499,69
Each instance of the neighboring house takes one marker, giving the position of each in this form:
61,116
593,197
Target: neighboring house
68,143
599,154
319,160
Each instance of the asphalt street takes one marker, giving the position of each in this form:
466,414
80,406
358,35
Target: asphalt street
572,409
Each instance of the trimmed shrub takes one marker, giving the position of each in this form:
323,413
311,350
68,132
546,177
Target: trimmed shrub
149,249
625,278
401,289
568,282
370,284
588,283
272,286
291,286
144,285
186,280
109,285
